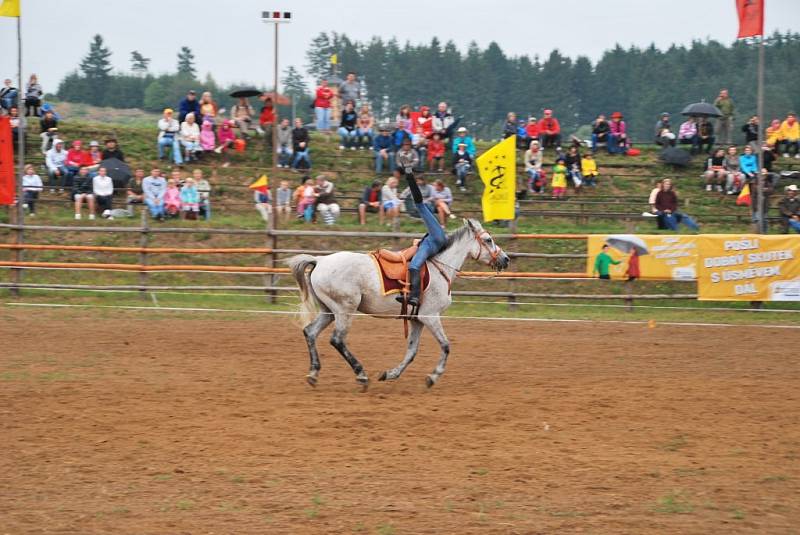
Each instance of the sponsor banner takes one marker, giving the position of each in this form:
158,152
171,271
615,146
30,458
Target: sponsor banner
652,256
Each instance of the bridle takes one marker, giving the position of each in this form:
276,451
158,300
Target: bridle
493,253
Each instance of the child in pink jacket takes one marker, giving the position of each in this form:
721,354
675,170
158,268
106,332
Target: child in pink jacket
208,141
226,138
172,198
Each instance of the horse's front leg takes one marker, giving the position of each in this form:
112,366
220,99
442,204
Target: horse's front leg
411,352
434,324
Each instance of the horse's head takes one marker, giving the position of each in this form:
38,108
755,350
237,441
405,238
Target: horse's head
484,249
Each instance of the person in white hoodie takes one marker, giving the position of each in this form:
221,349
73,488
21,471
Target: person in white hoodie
55,160
31,186
190,137
103,190
168,136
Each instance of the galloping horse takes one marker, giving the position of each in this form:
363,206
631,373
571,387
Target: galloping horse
338,285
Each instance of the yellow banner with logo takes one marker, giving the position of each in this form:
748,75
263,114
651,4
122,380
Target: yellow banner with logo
498,170
748,267
643,256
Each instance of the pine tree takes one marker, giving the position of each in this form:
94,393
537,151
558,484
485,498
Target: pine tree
96,64
318,56
293,83
186,62
139,63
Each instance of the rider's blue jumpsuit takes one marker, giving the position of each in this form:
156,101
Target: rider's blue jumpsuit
431,244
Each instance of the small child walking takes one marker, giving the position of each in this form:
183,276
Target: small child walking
283,200
559,180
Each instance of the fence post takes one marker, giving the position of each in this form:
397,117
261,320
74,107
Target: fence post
272,260
144,241
629,295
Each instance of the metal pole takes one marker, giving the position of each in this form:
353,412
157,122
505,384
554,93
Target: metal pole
273,242
761,208
20,234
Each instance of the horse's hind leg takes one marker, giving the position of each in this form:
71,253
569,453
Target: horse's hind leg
340,329
311,331
434,324
411,352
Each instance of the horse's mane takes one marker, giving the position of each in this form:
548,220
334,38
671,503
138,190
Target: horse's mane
454,237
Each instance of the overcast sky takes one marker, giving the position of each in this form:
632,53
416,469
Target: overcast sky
56,33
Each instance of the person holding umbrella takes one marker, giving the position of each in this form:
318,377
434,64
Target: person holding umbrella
242,114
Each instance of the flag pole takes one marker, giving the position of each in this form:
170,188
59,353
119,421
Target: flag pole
18,254
761,208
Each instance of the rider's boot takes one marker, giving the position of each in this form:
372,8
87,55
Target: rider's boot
413,294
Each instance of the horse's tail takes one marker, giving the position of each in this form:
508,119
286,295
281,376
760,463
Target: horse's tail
309,303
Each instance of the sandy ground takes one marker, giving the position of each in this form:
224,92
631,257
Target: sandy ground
133,422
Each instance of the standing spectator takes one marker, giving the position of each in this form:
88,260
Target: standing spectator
371,202
172,196
442,200
603,262
327,206
8,94
242,114
103,191
714,173
436,153
510,126
733,182
559,181
135,191
350,89
618,136
364,127
407,158
600,131
748,164
705,135
687,134
549,131
77,158
391,201
82,190
663,131
462,165
266,119
284,149
283,202
154,187
169,136
48,126
33,96
300,146
348,135
750,130
322,106
724,104
208,108
190,138
589,169
462,136
188,105
790,136
190,199
56,162
443,120
112,150
572,161
789,208
667,206
533,167
383,149
31,186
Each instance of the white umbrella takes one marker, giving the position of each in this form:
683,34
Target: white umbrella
625,243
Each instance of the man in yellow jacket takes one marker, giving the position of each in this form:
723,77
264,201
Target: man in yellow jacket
790,136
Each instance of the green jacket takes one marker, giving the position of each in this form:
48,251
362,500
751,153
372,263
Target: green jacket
725,105
602,263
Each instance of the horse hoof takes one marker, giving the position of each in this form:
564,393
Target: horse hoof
311,380
430,381
363,380
383,377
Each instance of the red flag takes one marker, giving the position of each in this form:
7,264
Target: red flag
7,181
751,17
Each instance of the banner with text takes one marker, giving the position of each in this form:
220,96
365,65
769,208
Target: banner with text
644,256
749,267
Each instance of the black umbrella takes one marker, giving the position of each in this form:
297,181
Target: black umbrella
701,109
118,170
245,93
675,156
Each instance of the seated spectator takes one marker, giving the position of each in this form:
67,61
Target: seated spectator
425,121
56,162
750,130
371,202
15,121
663,131
549,131
572,161
242,115
436,153
531,130
767,158
652,202
462,136
462,165
403,118
266,119
208,108
31,186
399,135
427,197
306,199
364,128
8,94
383,149
733,182
773,134
204,191
95,154
188,105
510,126
190,199
420,144
322,106
443,120
33,96
705,135
77,158
208,139
714,173
533,167
190,138
112,150
283,201
748,164
406,158
169,136
559,181
687,134
172,198
522,135
391,201
134,191
327,206
617,136
589,170
154,187
263,203
82,188
348,135
284,149
225,141
789,208
48,126
600,131
790,136
300,141
442,200
103,191
667,208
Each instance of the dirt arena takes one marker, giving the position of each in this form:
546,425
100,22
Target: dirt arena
123,422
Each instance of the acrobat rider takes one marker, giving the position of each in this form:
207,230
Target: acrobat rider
433,242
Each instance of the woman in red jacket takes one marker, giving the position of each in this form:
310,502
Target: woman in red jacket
322,106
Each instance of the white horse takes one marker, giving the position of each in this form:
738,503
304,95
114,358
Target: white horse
338,285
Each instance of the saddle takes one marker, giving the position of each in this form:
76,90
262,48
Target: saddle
393,267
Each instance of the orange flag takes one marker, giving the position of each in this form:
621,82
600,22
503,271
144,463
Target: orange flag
7,181
744,196
262,184
751,17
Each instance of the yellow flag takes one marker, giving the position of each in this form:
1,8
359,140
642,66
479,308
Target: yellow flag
9,8
262,184
334,59
498,170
